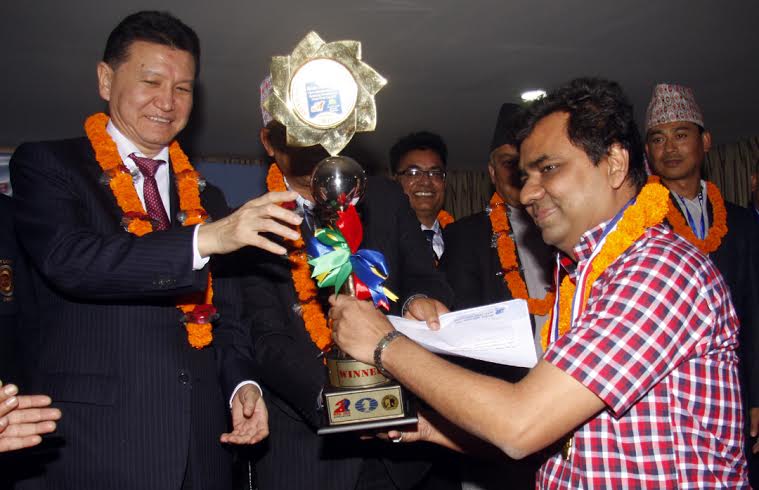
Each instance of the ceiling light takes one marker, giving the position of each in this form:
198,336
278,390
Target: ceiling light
531,95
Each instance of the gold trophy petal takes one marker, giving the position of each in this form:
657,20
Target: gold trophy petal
323,93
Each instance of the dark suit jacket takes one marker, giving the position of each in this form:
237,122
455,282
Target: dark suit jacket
108,345
737,259
293,373
471,266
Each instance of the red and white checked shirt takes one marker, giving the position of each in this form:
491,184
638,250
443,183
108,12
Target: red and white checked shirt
657,343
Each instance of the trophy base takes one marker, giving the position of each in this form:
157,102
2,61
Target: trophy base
383,406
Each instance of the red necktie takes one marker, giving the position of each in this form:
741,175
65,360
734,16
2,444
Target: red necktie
153,202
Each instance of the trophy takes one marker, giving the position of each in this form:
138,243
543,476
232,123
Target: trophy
323,94
358,395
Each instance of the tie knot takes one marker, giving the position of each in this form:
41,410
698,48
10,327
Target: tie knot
147,166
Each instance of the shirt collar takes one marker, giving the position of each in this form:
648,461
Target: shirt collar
435,227
126,147
588,242
301,201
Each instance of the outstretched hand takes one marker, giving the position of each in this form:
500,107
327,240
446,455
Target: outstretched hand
24,418
246,225
250,419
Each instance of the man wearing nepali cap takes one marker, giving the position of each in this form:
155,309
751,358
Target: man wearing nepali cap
676,145
494,256
287,355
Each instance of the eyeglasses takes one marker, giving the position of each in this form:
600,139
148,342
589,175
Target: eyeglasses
414,173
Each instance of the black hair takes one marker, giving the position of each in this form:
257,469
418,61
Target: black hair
154,27
422,140
599,116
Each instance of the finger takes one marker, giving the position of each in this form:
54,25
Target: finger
424,309
272,197
268,245
249,403
8,406
24,430
754,416
16,443
33,401
32,415
8,391
269,225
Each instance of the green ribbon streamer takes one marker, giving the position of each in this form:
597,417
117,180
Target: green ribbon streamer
335,264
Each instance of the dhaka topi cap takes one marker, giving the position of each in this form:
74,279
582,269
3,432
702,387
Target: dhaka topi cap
507,126
670,103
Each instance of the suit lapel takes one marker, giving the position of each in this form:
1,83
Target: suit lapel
173,199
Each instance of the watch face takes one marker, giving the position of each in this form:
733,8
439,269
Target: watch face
323,93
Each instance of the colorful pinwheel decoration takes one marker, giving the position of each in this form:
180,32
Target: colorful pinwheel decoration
335,256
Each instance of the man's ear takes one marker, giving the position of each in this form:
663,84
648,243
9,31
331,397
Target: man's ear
266,141
618,160
105,78
706,140
491,172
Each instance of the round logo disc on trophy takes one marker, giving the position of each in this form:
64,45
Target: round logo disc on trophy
323,93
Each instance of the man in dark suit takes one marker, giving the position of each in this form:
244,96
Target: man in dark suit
290,365
418,162
676,145
143,409
474,270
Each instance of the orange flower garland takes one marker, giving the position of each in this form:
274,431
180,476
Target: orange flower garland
311,309
137,220
648,210
444,218
717,231
507,255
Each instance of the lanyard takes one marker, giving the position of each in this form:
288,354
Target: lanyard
700,231
578,304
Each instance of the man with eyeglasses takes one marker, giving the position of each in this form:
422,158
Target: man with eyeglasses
418,163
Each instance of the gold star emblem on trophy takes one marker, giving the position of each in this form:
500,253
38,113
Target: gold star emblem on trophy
323,93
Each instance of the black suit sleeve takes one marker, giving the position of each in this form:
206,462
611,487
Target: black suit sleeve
284,357
88,255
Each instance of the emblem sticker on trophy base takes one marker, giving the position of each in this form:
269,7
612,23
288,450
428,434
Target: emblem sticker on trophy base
380,407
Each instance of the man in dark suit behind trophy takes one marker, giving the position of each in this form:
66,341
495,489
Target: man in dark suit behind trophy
115,274
289,327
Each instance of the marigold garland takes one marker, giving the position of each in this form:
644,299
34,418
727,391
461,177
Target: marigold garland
507,255
648,210
311,309
717,231
138,222
444,218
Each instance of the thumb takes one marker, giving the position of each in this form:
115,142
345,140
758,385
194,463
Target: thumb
249,403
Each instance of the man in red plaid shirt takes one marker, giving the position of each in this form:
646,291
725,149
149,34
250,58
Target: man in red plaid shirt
645,382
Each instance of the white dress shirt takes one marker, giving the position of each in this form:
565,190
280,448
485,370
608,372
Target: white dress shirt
126,148
437,240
